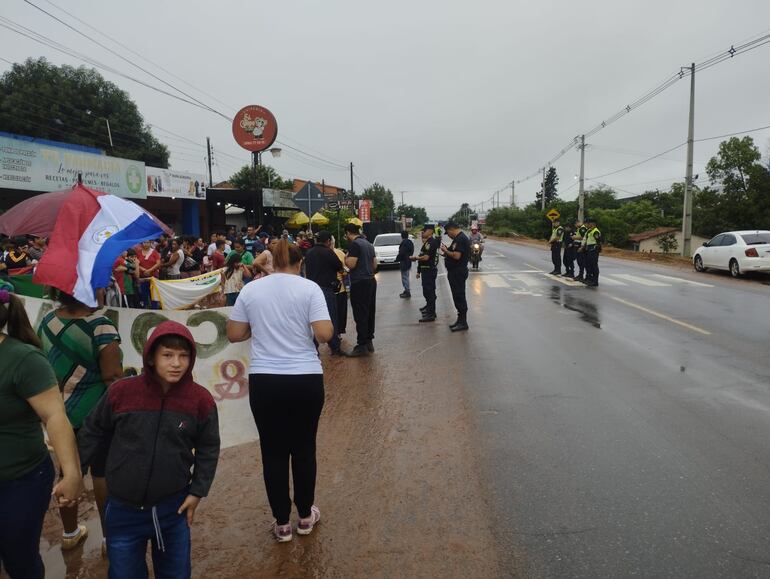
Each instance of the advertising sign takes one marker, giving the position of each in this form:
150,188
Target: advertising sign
35,167
278,198
168,183
365,210
255,128
221,367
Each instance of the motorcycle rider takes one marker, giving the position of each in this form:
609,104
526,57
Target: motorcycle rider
476,237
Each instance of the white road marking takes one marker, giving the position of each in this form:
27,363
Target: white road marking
565,280
662,316
639,280
605,280
494,280
681,280
527,280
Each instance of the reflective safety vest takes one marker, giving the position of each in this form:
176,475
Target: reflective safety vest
593,237
557,234
582,230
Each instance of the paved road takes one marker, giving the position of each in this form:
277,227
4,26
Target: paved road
624,429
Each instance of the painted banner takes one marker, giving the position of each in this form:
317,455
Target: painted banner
35,167
168,183
180,294
221,367
365,210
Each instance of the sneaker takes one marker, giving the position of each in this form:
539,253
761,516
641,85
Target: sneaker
405,295
68,543
357,352
305,526
282,533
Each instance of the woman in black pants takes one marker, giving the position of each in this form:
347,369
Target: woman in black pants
282,314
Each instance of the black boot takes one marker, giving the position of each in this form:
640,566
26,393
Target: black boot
461,325
405,295
358,351
428,316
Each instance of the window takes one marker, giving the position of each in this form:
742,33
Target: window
728,240
716,241
756,238
389,239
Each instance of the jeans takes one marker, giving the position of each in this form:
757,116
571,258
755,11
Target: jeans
145,298
23,503
331,304
363,299
230,299
286,409
405,279
129,528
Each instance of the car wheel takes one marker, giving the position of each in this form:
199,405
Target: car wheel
735,269
698,263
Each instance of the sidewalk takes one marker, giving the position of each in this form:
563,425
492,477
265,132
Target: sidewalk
399,482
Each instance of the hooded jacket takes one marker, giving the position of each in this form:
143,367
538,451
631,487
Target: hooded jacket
154,439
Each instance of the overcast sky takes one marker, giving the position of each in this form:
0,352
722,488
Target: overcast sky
444,100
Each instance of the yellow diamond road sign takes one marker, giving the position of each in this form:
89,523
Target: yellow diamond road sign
553,215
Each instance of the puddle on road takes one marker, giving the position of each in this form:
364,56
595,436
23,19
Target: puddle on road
588,311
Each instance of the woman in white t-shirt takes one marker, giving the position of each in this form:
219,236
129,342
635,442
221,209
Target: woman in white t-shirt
283,314
175,260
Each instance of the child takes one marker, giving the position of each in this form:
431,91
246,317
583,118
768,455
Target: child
157,426
232,278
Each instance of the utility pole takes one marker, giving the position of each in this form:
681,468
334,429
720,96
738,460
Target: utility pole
687,213
581,186
208,154
351,180
542,200
109,132
513,193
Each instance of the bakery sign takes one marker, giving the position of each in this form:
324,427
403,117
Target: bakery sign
255,128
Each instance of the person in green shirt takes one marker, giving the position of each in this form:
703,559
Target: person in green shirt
29,395
84,349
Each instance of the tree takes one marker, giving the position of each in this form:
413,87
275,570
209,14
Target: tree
735,164
551,186
463,215
383,206
601,198
67,104
418,214
667,243
266,177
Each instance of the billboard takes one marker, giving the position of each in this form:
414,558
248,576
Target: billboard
255,128
365,210
278,198
169,183
35,167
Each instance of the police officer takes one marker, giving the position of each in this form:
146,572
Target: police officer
592,247
456,262
427,270
580,234
557,237
569,252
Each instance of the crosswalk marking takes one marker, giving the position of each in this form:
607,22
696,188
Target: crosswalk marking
494,280
605,280
565,280
682,280
527,280
640,280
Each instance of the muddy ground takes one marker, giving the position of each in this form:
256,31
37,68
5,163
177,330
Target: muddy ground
400,482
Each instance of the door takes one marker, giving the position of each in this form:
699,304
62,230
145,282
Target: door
709,252
726,251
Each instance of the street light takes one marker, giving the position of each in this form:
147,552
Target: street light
109,132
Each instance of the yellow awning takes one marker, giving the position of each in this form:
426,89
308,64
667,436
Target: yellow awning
319,219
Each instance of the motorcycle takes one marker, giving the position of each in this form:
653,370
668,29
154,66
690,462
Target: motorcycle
475,255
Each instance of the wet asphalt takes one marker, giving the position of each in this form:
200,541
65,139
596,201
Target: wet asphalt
624,429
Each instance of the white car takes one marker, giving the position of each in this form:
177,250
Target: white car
738,252
386,248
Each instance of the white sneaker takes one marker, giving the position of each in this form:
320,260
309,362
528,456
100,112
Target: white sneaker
305,526
282,533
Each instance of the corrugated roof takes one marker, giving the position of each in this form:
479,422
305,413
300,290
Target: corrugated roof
657,232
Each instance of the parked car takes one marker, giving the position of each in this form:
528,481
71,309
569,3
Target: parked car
386,248
738,252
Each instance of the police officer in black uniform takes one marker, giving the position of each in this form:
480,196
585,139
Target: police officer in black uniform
456,262
580,234
427,271
570,252
557,237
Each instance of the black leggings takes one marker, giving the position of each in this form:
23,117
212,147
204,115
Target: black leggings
286,409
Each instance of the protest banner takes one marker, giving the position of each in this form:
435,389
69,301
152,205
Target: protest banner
221,367
179,294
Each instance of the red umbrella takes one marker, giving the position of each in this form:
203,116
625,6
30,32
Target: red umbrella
37,215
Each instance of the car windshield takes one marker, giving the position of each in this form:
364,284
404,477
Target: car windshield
381,240
756,238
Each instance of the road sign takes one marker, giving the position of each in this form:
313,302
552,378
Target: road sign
310,199
333,206
553,215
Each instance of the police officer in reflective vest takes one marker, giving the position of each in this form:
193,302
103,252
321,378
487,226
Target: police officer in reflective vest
557,237
456,262
592,245
578,238
427,270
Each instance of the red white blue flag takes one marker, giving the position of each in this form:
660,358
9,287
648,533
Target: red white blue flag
92,230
